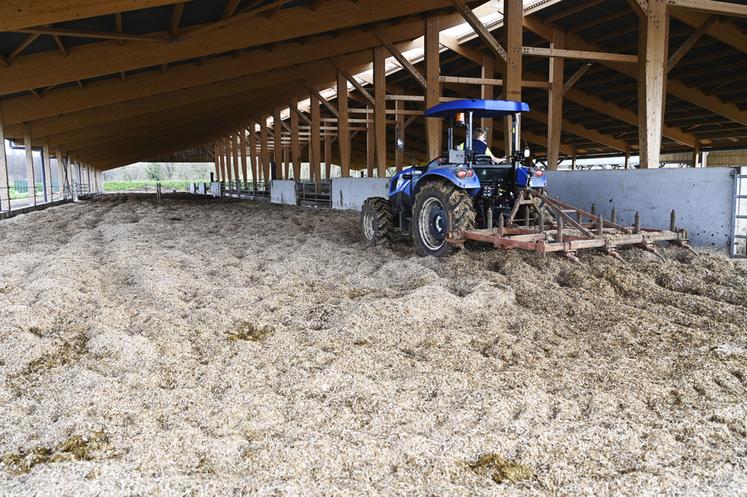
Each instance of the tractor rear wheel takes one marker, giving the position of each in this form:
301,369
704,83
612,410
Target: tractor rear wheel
440,209
377,220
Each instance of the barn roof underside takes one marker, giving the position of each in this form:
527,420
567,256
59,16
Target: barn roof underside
115,82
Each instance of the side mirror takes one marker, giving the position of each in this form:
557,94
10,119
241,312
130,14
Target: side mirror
527,153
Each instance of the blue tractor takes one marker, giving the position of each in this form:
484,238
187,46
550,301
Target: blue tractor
462,190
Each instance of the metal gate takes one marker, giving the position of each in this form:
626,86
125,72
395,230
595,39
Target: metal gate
739,229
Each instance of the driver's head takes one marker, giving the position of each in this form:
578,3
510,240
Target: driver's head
480,134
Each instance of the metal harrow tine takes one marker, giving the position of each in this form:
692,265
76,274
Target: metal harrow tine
653,250
616,255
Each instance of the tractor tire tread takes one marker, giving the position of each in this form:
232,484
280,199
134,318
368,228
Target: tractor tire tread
459,204
384,218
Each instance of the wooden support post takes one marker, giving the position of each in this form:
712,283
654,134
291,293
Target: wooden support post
216,160
627,158
277,130
573,160
433,90
696,155
315,150
343,124
242,155
62,171
219,152
295,141
399,134
227,157
370,149
4,176
264,151
286,163
513,29
224,159
253,154
235,154
327,157
379,66
653,43
555,101
30,177
486,93
47,162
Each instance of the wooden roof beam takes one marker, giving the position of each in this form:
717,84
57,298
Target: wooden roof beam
100,59
22,46
724,31
480,29
690,43
579,54
60,45
176,19
674,87
20,14
323,100
711,7
101,93
100,35
403,61
577,96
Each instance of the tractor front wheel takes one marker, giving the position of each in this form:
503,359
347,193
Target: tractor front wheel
377,220
440,208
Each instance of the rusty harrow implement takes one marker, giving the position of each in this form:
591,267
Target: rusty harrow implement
540,223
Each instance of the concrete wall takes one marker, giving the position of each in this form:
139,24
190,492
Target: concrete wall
283,191
350,193
703,198
215,189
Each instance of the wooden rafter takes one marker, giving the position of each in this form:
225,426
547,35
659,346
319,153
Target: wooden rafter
674,87
579,54
690,42
314,4
724,31
323,100
238,17
480,29
19,14
576,76
301,115
403,61
563,13
230,10
101,35
118,25
60,45
354,82
98,59
22,46
711,7
176,19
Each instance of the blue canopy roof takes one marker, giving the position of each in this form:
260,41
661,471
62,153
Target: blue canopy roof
480,108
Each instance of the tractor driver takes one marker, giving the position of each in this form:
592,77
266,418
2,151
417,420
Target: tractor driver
480,144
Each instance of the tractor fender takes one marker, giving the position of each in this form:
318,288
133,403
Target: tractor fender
448,175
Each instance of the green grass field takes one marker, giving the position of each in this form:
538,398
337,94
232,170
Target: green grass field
131,186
